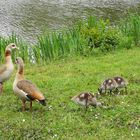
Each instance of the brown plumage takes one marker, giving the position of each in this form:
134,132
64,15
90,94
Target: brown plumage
7,69
25,89
107,85
86,99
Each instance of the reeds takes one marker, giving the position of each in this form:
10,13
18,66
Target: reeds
56,45
24,50
80,39
130,28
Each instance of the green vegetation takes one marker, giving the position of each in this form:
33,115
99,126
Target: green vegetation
24,51
87,37
76,71
131,29
62,119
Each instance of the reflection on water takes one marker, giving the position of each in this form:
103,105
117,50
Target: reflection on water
29,18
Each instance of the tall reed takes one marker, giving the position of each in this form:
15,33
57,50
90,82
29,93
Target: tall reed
24,51
130,27
84,37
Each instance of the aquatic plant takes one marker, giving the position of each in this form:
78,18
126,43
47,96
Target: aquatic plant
130,27
83,38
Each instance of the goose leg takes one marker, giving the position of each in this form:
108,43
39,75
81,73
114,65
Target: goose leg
110,92
1,88
86,105
117,91
105,91
31,106
23,105
125,89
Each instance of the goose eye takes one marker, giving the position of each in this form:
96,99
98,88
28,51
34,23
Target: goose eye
13,45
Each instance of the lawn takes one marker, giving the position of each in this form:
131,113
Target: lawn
63,119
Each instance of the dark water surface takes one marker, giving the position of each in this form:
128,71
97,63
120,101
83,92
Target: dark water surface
29,18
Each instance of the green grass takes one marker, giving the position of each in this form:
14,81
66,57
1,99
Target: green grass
62,119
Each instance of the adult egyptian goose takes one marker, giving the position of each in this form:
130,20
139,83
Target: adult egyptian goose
24,89
86,99
7,69
121,83
107,85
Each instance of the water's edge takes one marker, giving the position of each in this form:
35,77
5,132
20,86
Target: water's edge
29,18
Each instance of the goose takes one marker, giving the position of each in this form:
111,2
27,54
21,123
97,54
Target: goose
121,83
24,89
107,85
86,99
7,69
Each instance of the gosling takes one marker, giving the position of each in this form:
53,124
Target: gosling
108,85
121,83
86,99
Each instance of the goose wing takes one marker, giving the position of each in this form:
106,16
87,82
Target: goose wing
32,92
2,69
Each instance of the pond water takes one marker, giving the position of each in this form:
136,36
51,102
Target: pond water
29,18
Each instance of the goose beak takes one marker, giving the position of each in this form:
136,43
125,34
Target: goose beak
42,102
16,48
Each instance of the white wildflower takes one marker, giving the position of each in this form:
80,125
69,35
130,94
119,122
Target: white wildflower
55,135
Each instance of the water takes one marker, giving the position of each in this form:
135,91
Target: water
29,18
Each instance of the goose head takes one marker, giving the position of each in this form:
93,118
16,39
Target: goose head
11,47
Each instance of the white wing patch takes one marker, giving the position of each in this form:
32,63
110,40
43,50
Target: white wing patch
21,94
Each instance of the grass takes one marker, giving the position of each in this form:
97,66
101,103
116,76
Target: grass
64,120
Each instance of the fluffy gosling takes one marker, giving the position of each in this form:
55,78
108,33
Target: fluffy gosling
121,83
86,99
108,85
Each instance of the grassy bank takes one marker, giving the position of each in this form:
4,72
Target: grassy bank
62,119
88,37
